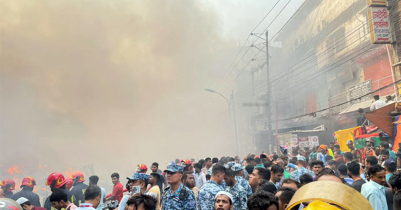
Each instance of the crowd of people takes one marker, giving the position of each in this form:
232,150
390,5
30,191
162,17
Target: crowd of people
255,182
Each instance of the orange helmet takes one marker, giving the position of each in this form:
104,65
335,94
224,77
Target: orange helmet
56,179
142,168
78,177
187,162
28,181
8,184
69,183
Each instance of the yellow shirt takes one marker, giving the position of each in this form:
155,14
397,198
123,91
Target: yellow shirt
195,191
155,189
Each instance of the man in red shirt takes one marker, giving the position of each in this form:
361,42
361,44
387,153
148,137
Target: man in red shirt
117,193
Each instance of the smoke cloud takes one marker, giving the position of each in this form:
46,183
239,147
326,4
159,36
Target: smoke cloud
113,83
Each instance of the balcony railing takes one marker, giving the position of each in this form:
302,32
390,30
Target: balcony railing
344,97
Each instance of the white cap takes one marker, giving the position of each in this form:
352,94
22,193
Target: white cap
225,193
22,200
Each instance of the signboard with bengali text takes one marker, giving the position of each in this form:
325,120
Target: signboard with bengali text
290,141
379,25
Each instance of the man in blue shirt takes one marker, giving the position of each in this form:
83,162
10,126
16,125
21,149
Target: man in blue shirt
385,146
322,154
207,192
374,189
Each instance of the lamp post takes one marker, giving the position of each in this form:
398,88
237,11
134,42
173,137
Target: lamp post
235,121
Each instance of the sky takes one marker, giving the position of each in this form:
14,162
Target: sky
119,83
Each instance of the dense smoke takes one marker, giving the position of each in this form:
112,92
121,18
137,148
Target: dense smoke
113,83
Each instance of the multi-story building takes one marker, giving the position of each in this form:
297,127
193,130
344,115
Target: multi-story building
321,62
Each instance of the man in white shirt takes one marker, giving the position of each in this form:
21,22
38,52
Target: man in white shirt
92,198
377,104
389,100
200,178
93,180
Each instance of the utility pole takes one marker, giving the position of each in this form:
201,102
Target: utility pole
268,100
235,124
394,7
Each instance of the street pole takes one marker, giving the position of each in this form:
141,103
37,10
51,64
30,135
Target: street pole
235,124
234,117
268,101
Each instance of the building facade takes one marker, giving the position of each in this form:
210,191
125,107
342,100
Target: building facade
323,68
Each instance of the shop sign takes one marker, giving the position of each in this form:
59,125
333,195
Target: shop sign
379,25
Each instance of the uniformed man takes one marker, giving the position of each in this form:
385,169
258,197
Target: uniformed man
57,181
239,173
207,192
137,185
79,187
236,190
177,196
27,187
8,186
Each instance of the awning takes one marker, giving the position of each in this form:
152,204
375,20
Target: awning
367,136
355,107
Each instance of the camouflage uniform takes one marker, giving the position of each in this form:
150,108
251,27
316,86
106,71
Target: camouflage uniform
206,195
244,183
301,170
182,199
239,196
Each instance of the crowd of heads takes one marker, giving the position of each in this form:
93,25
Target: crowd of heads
274,179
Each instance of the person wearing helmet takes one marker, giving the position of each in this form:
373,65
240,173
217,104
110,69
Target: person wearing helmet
27,187
142,168
7,204
186,164
69,183
79,187
8,186
57,181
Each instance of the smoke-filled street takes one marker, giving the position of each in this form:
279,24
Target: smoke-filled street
226,105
